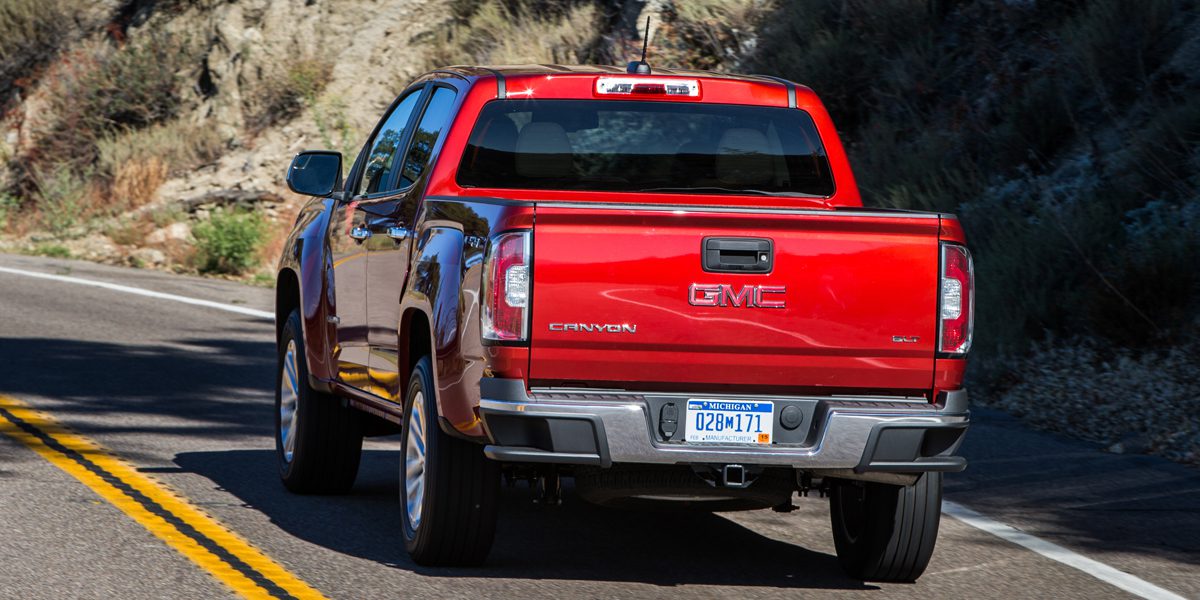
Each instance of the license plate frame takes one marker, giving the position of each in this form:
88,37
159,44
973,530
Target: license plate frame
743,422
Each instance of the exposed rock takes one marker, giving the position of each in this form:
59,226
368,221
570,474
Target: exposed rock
94,247
1128,401
170,233
1132,443
229,197
148,257
248,39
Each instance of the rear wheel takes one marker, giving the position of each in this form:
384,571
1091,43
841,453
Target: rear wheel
449,491
318,441
886,532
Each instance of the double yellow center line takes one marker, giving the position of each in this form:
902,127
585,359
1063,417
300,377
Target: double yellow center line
178,523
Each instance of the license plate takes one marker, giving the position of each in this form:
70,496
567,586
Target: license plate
728,422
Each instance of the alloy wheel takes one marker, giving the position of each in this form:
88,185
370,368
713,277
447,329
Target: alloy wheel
289,401
414,461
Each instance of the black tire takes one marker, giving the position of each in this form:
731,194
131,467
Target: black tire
886,532
455,520
328,436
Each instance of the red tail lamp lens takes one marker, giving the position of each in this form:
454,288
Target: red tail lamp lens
506,288
956,305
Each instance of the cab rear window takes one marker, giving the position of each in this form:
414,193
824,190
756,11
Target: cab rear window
632,146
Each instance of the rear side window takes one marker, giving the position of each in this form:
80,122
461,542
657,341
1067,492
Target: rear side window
631,146
437,115
384,147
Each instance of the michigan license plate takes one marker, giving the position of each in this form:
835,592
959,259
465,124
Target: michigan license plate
728,422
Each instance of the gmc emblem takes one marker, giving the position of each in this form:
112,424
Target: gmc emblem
750,296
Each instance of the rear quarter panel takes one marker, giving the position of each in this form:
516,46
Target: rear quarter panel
444,287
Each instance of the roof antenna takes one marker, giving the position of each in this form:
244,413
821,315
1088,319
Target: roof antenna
641,67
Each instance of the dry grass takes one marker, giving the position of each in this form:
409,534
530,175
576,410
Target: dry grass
136,162
165,215
177,144
129,232
528,32
710,34
136,181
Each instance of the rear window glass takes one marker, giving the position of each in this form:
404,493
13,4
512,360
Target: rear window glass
631,146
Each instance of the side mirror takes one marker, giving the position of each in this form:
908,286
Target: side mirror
315,172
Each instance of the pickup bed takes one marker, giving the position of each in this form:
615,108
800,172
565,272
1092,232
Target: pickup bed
663,286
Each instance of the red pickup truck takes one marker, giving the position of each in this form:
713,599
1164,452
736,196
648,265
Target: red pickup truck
662,285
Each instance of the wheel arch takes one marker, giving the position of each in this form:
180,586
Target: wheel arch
417,341
287,298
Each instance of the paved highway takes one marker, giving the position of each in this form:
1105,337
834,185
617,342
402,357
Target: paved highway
136,462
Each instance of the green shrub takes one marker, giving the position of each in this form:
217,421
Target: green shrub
101,90
61,197
33,30
1155,271
1046,126
50,250
9,205
229,241
1162,154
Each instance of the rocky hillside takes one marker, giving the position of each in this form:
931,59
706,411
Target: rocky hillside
155,133
148,116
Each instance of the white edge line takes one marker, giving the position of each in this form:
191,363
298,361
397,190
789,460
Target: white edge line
1099,570
262,314
1125,581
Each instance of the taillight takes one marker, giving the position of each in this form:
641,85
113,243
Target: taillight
506,288
956,303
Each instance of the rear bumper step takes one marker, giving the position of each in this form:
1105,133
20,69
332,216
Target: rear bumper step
585,427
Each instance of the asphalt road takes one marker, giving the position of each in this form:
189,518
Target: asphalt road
184,394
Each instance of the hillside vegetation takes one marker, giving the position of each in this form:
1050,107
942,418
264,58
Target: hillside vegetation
1063,133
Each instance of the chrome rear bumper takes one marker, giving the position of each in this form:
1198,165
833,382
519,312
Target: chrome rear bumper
839,434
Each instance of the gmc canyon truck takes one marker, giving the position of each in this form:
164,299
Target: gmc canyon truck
662,285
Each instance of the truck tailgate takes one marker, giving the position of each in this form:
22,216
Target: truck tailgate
614,304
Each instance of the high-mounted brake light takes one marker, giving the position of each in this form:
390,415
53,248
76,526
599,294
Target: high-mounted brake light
956,302
638,86
506,288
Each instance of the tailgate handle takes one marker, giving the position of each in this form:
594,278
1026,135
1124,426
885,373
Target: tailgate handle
738,255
